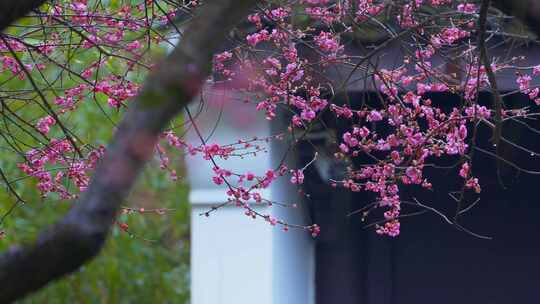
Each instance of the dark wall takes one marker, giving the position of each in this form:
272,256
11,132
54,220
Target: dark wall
432,261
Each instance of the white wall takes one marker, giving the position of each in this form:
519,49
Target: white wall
235,259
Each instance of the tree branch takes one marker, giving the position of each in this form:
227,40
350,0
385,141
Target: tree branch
485,61
79,236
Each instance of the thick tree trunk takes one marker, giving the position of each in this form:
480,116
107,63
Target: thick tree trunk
79,236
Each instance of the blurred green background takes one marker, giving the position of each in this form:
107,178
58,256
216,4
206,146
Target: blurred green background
150,266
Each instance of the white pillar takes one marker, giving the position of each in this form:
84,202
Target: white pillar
235,259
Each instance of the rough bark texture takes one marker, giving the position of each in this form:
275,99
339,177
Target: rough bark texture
79,236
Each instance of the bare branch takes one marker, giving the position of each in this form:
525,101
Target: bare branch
497,99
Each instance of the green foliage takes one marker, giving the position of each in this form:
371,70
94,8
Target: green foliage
130,269
150,267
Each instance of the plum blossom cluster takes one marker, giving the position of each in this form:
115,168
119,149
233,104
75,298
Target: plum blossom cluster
295,59
406,131
117,90
246,190
54,169
89,56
